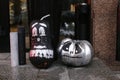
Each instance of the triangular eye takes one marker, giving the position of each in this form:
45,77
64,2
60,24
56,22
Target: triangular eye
78,49
66,46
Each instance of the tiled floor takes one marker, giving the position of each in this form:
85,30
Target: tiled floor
97,70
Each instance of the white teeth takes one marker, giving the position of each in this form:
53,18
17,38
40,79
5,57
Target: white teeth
43,53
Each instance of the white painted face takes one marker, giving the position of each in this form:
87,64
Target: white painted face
71,49
41,27
76,52
40,49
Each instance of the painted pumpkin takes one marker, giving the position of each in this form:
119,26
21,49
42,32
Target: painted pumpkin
41,53
75,52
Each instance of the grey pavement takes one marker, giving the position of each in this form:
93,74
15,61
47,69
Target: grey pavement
97,70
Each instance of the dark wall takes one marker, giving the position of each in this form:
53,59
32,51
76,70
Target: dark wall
4,26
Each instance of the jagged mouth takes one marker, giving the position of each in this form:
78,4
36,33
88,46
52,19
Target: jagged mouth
72,56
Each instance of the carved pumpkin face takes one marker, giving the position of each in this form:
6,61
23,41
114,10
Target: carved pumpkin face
75,53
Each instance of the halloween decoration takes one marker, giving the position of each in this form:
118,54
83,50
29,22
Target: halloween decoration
41,53
67,24
39,8
75,52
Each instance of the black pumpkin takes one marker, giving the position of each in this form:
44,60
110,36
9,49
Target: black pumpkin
75,52
41,53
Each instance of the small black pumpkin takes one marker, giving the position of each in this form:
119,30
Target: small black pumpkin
41,53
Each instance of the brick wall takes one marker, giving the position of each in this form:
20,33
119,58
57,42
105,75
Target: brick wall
104,30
